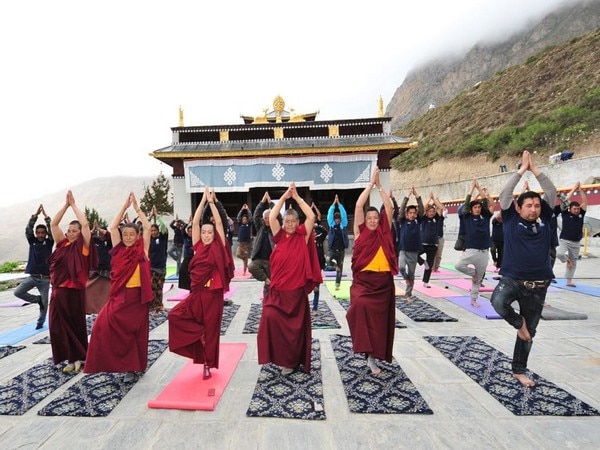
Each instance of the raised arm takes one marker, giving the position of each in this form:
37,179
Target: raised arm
114,225
275,211
216,214
85,227
57,233
309,222
146,234
546,184
583,202
196,231
385,198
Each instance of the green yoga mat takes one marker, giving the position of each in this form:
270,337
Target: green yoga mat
343,292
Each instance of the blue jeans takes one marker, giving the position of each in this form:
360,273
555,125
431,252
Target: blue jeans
531,304
43,286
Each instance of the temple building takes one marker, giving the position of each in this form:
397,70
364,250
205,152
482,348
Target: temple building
267,152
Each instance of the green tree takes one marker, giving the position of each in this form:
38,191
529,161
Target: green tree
92,217
159,195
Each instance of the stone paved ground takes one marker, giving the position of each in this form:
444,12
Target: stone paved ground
465,416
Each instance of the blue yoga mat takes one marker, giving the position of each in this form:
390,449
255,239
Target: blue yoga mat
586,289
20,334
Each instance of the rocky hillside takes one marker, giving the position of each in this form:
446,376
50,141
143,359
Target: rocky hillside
549,104
439,81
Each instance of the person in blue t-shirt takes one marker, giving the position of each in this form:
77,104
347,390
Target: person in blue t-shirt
526,269
571,231
475,215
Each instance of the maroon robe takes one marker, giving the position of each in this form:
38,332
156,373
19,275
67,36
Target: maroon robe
119,341
195,323
284,332
69,271
372,313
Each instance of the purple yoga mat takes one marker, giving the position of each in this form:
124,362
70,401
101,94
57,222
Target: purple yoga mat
465,284
16,303
485,310
433,291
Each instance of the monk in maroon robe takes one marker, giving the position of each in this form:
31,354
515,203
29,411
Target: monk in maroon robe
119,341
70,264
372,314
284,332
195,323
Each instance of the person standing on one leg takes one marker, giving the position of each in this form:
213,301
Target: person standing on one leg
244,235
70,266
320,235
411,244
526,270
38,268
371,316
260,266
337,240
119,340
475,216
571,232
429,234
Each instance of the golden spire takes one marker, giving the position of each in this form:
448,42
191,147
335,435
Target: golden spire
180,117
278,105
380,112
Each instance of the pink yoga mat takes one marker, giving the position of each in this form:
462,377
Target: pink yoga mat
239,274
465,284
187,390
433,291
183,293
485,310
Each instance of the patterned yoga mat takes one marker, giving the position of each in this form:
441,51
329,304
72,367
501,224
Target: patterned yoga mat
295,396
29,388
323,319
7,350
390,392
229,312
346,304
491,369
96,395
421,311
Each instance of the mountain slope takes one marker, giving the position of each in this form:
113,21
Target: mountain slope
549,104
438,82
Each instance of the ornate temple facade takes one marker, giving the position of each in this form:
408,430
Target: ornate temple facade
267,152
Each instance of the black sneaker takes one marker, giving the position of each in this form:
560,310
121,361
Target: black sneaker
39,326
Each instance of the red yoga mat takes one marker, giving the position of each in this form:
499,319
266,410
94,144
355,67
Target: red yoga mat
189,391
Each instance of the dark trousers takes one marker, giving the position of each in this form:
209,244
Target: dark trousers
531,304
338,255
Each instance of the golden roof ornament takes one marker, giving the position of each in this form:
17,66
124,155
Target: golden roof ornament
278,105
380,112
180,117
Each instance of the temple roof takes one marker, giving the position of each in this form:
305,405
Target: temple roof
351,144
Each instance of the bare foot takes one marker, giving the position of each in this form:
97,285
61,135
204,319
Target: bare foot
523,332
524,379
475,304
375,370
